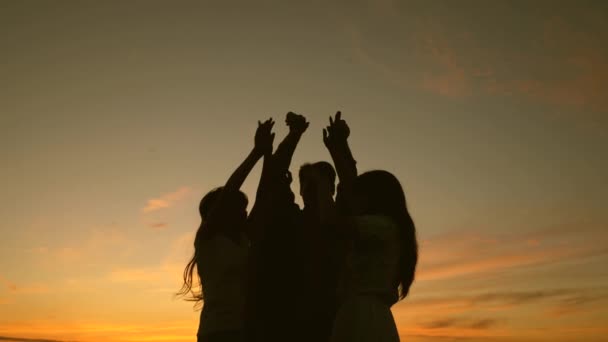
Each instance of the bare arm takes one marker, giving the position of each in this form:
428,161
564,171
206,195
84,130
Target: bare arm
262,200
276,166
335,137
262,146
239,175
284,153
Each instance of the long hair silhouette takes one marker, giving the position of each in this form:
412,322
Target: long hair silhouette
380,193
214,220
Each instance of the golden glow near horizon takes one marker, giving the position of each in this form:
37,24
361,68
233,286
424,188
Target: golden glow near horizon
117,117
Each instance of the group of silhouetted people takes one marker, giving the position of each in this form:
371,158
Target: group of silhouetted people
328,272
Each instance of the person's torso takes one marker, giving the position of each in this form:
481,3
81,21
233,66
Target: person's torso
222,268
371,266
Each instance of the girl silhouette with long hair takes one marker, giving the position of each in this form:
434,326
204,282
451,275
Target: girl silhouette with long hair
381,249
380,265
221,252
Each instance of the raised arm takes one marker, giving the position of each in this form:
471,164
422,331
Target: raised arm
263,144
335,137
274,188
282,156
258,214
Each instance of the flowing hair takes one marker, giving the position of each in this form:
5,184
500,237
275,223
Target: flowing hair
384,195
187,290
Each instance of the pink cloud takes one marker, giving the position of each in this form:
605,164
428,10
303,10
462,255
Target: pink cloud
407,332
453,62
100,330
493,263
13,288
465,253
92,249
166,200
32,289
159,225
9,285
493,314
448,77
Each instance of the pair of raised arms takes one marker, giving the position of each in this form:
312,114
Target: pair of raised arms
336,133
335,138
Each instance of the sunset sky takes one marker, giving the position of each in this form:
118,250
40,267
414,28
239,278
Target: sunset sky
116,117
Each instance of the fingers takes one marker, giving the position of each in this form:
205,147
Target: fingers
268,124
331,128
338,116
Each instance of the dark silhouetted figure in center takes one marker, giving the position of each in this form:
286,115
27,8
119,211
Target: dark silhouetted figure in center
293,271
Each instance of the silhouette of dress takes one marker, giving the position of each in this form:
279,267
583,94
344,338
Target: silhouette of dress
369,283
222,267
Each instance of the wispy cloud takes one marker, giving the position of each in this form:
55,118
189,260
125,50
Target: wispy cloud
17,288
577,303
22,339
565,68
491,315
92,249
8,284
459,308
468,252
165,274
166,200
98,331
483,261
476,324
448,77
158,225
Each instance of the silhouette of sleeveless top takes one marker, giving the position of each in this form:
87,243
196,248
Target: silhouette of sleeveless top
369,283
222,268
371,266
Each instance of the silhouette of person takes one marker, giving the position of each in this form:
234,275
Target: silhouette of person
380,264
292,283
221,252
318,261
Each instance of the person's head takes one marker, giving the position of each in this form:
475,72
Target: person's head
231,218
380,193
310,174
234,210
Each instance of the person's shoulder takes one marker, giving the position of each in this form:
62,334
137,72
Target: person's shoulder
375,222
374,219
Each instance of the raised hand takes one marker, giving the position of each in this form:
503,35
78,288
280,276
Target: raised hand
337,132
264,137
297,123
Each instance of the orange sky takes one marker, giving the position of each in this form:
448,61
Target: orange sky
116,117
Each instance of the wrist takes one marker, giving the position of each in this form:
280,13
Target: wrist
295,134
257,152
339,146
